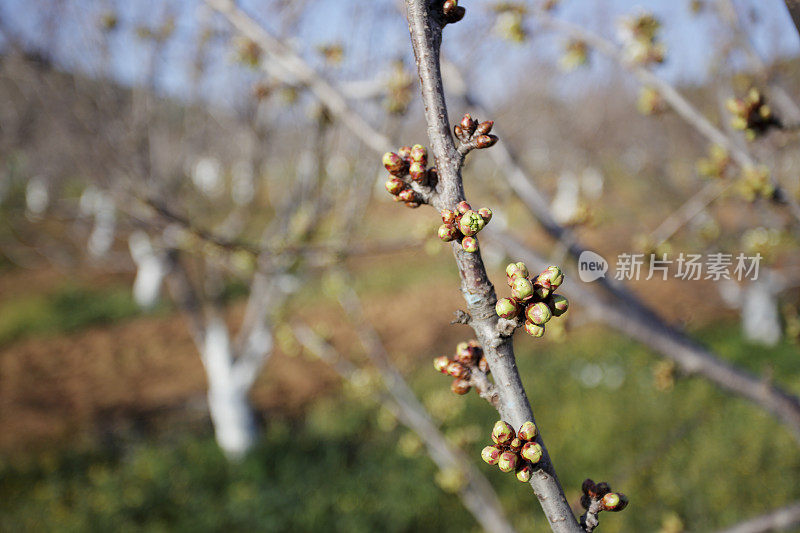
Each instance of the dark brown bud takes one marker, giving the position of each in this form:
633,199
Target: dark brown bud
484,127
589,487
457,15
441,363
433,176
602,489
485,141
460,386
468,124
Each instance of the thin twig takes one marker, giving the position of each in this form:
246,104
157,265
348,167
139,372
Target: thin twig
777,520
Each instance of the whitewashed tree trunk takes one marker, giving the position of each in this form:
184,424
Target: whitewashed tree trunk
761,322
231,413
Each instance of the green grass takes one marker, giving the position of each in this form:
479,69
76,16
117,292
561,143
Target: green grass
68,309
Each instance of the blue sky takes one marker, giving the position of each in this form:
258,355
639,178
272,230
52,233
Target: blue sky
373,32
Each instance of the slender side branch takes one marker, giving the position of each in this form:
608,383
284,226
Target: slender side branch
477,493
426,34
778,520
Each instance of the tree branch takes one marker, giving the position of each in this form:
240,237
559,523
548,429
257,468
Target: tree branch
778,520
426,33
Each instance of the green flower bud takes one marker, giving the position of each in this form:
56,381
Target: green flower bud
538,313
558,304
468,124
463,207
502,432
405,153
394,186
506,308
521,289
552,274
516,444
491,454
419,154
525,472
541,290
515,270
614,501
484,127
534,330
394,164
508,461
485,213
457,370
448,216
447,233
417,171
470,223
527,431
469,244
485,141
441,363
460,386
532,451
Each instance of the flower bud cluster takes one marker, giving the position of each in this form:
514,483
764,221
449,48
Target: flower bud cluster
601,494
755,183
639,36
751,114
462,224
532,299
473,134
576,54
650,102
452,11
467,359
408,165
715,164
514,452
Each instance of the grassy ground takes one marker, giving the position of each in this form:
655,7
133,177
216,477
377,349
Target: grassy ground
684,452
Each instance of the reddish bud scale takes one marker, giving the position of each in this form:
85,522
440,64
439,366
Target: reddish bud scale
394,186
463,207
457,370
483,365
491,454
394,164
407,195
502,432
417,171
441,363
405,153
468,124
484,127
467,356
525,472
527,431
506,308
412,205
485,141
508,461
521,289
448,216
532,451
459,132
469,244
419,154
541,288
558,304
447,232
485,213
534,330
460,386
